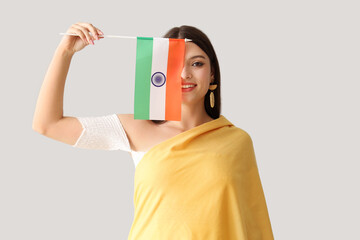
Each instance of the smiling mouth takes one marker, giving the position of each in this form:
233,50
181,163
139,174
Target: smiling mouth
188,86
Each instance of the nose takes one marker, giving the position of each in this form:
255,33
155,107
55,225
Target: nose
185,74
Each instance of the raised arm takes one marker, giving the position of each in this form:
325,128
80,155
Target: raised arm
48,118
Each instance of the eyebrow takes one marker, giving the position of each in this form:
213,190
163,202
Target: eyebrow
198,56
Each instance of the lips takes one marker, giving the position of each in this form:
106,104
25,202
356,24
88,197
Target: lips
187,86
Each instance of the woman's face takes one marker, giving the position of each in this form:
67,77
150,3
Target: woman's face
196,72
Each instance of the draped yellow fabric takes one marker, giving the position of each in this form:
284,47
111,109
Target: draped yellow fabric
202,184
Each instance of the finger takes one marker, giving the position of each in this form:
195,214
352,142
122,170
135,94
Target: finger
78,32
100,32
92,29
101,35
85,31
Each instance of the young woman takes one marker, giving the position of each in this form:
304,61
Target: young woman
196,178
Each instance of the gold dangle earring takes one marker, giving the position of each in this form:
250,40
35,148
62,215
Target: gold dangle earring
212,87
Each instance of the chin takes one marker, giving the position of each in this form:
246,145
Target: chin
186,101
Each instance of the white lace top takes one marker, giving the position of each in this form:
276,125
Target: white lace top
105,133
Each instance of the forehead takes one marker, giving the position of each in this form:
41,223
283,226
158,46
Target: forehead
191,49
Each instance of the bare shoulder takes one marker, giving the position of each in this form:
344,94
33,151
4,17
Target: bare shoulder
137,130
129,123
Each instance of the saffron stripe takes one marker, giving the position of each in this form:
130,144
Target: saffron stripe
173,85
144,49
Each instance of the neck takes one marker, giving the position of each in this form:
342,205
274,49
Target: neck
192,116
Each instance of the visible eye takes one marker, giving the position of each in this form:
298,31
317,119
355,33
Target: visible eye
197,64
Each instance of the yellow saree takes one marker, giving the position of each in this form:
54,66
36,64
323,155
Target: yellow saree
202,184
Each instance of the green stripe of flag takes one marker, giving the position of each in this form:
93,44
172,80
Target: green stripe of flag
144,49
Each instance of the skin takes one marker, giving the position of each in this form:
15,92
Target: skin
142,134
197,69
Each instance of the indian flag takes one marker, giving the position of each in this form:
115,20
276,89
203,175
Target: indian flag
159,62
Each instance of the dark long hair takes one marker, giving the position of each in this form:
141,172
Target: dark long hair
202,41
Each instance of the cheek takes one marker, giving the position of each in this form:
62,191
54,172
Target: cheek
204,75
205,84
205,78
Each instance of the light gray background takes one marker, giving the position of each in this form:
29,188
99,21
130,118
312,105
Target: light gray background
290,78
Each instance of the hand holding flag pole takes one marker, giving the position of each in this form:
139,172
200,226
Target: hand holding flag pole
159,63
112,36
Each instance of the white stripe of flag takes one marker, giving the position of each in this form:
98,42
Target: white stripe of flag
159,64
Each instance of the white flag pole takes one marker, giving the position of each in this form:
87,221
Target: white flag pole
112,36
